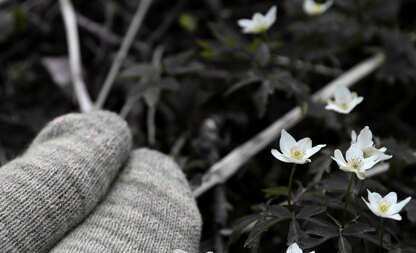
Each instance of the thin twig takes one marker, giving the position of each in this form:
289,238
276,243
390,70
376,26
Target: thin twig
81,92
229,165
105,34
167,22
122,52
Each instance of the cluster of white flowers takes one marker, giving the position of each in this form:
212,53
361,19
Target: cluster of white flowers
362,154
260,23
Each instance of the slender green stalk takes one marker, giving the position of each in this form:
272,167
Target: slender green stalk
347,199
360,191
381,234
266,37
289,193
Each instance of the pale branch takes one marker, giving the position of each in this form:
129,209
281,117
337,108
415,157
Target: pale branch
122,52
72,38
229,165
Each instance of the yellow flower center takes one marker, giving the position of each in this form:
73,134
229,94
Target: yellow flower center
356,163
297,152
343,106
383,207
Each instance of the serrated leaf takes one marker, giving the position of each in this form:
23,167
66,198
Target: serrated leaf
296,234
309,211
321,227
278,211
344,245
357,229
258,229
242,83
241,225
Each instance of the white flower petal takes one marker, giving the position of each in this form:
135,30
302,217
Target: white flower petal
286,142
305,143
375,211
365,138
353,152
339,158
310,152
383,157
334,107
294,248
342,94
245,23
394,217
353,137
258,18
399,206
361,174
355,102
368,164
374,199
271,15
280,156
391,198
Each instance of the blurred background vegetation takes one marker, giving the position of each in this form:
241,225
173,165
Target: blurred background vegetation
195,87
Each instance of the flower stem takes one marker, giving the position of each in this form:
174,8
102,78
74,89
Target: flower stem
347,198
289,193
266,37
381,234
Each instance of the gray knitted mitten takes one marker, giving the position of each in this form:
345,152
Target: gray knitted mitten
59,180
149,209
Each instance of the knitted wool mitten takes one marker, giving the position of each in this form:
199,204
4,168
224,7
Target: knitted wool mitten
149,209
59,180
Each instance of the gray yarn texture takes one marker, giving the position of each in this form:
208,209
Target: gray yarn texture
60,179
149,209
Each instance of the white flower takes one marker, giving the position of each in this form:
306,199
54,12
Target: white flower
365,143
312,8
294,248
259,23
295,152
345,100
355,161
386,207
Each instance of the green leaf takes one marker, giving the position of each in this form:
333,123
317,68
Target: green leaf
357,229
276,192
278,211
188,22
344,245
320,227
242,83
242,224
225,34
309,211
